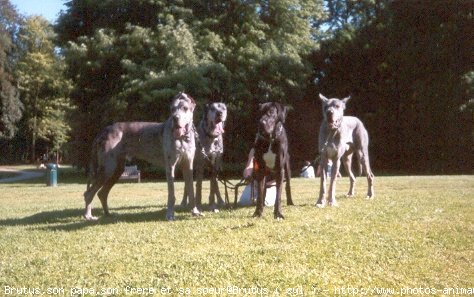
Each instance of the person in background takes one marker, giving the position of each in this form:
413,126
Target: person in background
307,171
247,199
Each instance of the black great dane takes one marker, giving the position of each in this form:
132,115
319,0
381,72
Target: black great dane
271,155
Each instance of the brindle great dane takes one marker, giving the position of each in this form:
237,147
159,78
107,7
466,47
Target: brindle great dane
172,140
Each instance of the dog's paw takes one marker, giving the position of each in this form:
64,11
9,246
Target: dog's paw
196,213
170,216
370,197
278,216
90,218
333,203
214,208
321,204
257,214
350,195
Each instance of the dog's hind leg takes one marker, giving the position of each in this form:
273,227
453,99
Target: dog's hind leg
89,196
199,178
184,202
364,161
347,161
110,181
289,199
370,176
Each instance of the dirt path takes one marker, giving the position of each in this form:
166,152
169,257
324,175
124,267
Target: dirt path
22,175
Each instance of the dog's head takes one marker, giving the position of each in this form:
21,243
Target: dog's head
272,117
333,110
182,108
215,115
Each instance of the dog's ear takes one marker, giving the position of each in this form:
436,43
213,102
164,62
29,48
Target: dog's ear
193,103
284,112
205,111
263,106
323,98
346,99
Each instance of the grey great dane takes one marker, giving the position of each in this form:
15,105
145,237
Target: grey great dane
339,137
170,143
210,149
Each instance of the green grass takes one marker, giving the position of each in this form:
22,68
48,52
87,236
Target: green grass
417,232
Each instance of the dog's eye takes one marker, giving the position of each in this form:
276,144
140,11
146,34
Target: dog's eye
185,109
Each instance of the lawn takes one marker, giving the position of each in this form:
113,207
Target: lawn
416,236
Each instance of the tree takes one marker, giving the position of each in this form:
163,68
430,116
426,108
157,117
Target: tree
407,65
10,105
128,58
43,89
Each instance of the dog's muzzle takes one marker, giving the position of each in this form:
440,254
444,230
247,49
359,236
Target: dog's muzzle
179,130
333,121
219,128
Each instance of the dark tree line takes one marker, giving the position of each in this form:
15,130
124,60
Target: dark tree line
408,66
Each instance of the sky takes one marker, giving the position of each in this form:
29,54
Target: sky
49,9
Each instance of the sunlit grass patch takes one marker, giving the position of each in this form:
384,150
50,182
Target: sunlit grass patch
418,231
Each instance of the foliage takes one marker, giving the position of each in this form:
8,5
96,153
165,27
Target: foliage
406,65
11,107
400,239
43,87
240,52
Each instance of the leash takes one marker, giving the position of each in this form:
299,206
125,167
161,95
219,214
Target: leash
235,187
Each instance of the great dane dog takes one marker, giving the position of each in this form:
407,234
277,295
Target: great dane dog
210,149
172,140
339,137
271,155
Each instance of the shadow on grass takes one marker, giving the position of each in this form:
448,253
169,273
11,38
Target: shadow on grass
72,219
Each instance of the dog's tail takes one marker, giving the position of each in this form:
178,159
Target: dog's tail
363,159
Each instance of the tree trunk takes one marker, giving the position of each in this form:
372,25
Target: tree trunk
34,130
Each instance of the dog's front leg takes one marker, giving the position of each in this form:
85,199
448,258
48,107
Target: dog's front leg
188,181
336,164
171,198
277,210
260,196
321,203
